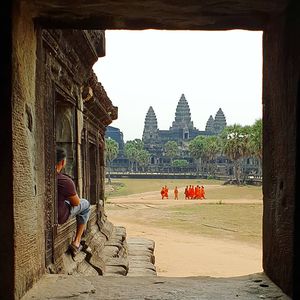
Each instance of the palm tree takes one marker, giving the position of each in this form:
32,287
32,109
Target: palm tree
211,149
235,145
111,152
132,149
196,147
256,143
143,158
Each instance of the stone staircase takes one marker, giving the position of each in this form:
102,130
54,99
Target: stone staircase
107,252
141,257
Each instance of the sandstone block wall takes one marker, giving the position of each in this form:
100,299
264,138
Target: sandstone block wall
28,156
281,77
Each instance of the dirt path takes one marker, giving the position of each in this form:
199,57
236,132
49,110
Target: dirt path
184,254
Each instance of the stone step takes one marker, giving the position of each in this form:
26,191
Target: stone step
138,241
141,265
118,261
141,257
141,273
115,271
110,251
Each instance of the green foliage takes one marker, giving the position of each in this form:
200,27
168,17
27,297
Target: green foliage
211,147
196,147
111,152
135,152
235,141
143,157
111,149
180,163
256,139
171,149
132,149
240,142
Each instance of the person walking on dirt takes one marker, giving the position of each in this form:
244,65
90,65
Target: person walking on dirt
186,193
176,193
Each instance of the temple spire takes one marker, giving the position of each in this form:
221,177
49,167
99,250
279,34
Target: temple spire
150,132
220,121
182,115
210,124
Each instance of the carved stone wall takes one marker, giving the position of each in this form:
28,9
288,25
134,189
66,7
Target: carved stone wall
28,157
281,79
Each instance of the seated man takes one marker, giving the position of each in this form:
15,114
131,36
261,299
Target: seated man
69,204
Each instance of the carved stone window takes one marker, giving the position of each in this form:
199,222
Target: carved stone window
65,129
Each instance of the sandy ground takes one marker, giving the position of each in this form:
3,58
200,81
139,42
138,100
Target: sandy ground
180,254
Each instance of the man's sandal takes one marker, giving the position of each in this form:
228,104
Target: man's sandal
74,250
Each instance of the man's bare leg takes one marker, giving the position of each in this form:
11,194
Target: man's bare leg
79,232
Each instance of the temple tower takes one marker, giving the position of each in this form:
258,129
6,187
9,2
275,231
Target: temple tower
220,121
182,115
150,133
210,124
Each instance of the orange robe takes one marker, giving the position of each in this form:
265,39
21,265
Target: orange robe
192,192
167,192
202,193
176,193
162,192
186,193
197,192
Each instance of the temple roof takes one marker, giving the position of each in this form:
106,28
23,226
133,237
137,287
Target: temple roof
210,124
182,114
220,121
220,117
150,120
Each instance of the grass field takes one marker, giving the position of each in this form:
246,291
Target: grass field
241,221
125,186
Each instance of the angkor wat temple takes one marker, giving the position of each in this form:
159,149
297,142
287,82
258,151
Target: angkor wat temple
182,127
181,131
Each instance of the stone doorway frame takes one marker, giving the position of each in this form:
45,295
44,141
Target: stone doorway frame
280,23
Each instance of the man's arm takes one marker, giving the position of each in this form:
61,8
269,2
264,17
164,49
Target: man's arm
74,200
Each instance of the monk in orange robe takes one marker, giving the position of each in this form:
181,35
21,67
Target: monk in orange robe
192,192
162,192
166,192
197,192
176,193
186,193
202,192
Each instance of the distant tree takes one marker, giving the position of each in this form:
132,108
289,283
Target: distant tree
256,142
171,149
211,148
180,163
111,152
196,147
131,150
136,143
235,145
143,158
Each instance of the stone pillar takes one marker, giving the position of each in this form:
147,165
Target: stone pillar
6,171
281,79
28,156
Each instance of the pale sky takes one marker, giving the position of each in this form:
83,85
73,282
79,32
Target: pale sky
153,68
